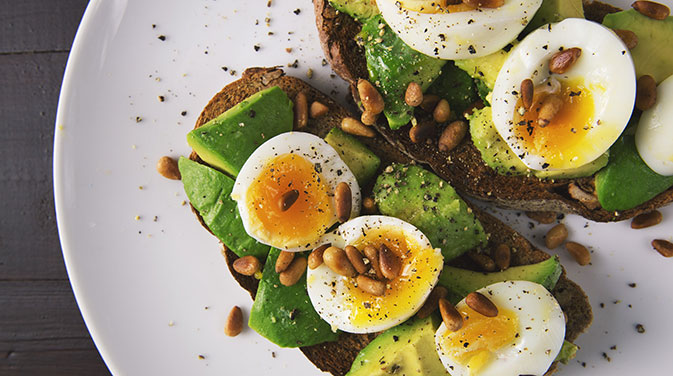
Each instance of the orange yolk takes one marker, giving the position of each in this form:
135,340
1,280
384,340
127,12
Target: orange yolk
480,336
434,6
404,292
311,214
557,142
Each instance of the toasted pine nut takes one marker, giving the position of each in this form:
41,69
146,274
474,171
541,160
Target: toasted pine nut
629,38
579,252
317,110
414,94
646,220
502,256
355,127
355,257
450,315
562,61
372,286
542,217
336,259
588,199
652,10
429,102
247,265
664,247
421,131
287,199
527,92
368,118
481,304
483,261
300,110
343,201
551,105
390,263
372,101
168,168
315,258
369,205
452,135
430,305
234,324
293,273
556,236
646,93
283,261
372,255
442,112
484,3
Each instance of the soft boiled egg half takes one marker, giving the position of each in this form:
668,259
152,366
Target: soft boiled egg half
597,95
300,165
654,136
453,32
339,301
523,339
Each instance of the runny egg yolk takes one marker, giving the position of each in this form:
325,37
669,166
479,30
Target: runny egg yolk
415,279
434,6
480,336
567,135
311,214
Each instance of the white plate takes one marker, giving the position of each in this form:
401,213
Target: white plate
151,283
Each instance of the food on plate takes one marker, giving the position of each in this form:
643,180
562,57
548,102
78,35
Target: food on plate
551,113
333,296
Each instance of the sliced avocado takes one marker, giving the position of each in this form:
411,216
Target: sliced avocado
208,191
392,65
567,353
554,11
284,314
227,141
407,349
627,181
432,205
461,282
362,161
485,68
456,86
650,55
360,10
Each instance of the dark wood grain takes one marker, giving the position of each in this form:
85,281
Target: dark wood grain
41,329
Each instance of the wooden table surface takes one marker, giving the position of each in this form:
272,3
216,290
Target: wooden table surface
41,329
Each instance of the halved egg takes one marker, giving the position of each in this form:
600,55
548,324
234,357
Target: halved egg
523,339
654,136
345,306
433,29
597,95
285,191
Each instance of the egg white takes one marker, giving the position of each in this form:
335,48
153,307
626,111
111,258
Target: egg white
328,291
606,68
654,136
316,151
541,332
460,35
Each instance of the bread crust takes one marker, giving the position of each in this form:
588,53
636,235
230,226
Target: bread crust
337,357
463,167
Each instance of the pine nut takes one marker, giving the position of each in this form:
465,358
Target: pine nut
646,93
318,110
527,92
430,305
556,236
542,217
371,286
369,205
579,252
372,101
368,118
234,324
372,255
336,259
414,94
355,127
452,319
651,9
551,105
389,262
452,135
421,131
355,257
502,256
484,262
562,61
287,199
300,110
429,102
647,220
442,112
168,168
283,261
664,247
247,265
629,38
315,258
294,272
481,304
343,201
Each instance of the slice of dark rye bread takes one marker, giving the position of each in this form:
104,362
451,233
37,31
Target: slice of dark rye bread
463,167
337,357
